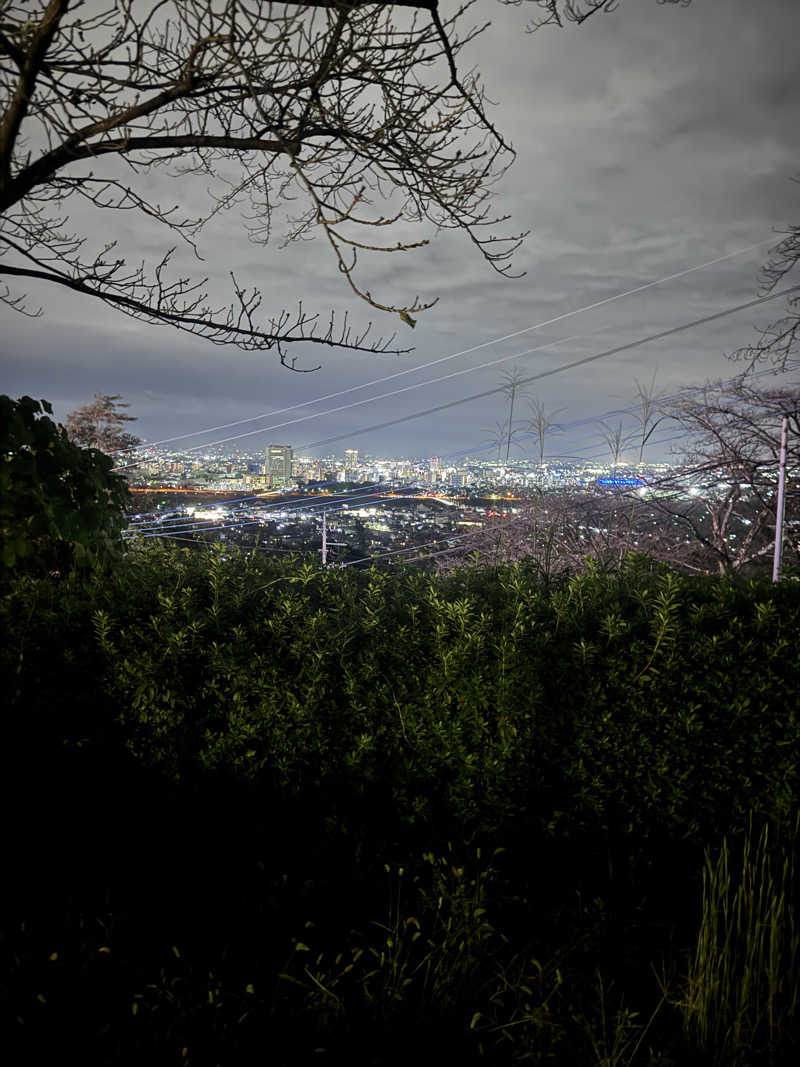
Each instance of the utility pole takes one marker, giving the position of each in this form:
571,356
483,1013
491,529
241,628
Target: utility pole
779,510
326,542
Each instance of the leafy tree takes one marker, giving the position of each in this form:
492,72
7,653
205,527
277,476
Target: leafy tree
100,425
60,504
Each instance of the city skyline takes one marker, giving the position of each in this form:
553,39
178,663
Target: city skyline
279,468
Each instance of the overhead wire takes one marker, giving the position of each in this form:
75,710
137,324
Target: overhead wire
561,368
333,507
210,544
360,494
371,399
449,539
586,420
327,506
351,434
284,505
617,493
617,350
560,427
237,500
455,355
490,527
621,492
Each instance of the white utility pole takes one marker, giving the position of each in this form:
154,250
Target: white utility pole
326,542
779,510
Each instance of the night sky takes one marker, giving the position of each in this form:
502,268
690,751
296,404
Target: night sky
649,140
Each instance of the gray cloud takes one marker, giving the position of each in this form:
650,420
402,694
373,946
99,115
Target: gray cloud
648,140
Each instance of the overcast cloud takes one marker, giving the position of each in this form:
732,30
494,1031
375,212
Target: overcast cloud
648,140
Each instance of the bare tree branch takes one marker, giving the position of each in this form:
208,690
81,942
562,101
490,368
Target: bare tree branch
560,12
725,492
334,105
779,342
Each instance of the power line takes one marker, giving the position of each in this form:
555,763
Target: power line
362,493
204,529
454,355
587,420
210,544
560,427
367,492
142,515
285,505
370,399
555,370
415,548
618,493
469,370
472,534
328,506
621,493
259,496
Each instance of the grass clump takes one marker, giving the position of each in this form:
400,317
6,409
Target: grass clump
743,987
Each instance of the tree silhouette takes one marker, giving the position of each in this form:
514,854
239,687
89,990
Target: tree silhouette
61,504
541,423
100,425
325,106
723,495
779,342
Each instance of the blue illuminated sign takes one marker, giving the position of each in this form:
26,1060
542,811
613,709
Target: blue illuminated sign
620,481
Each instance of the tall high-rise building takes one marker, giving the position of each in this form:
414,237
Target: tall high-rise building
351,464
278,464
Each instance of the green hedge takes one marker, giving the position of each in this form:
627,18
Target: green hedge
302,730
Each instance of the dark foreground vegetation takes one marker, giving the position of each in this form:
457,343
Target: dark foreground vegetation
259,811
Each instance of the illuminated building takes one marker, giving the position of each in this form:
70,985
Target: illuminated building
278,464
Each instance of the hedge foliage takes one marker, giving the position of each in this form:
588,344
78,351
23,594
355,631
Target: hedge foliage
256,745
60,505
